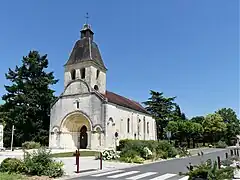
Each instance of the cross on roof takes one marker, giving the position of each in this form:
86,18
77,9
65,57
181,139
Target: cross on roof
87,17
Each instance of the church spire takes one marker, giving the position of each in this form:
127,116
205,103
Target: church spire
86,31
86,50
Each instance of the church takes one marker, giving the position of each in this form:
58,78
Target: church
86,115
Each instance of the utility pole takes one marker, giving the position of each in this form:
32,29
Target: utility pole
12,137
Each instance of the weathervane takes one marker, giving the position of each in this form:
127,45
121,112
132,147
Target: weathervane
87,17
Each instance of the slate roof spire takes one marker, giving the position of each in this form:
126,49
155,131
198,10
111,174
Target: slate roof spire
86,49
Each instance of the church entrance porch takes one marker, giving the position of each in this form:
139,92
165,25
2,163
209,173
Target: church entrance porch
76,132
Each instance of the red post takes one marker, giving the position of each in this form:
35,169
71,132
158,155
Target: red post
76,156
77,160
100,160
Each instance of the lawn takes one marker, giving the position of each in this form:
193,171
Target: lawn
6,176
71,154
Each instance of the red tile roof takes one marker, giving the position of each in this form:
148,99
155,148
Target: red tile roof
125,102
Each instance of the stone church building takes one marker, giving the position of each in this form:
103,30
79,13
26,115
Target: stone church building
86,115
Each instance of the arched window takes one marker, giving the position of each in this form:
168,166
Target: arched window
138,127
82,71
128,125
97,75
110,121
144,126
148,127
96,87
99,136
78,104
73,74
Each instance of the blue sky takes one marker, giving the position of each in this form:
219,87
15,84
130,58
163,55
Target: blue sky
186,48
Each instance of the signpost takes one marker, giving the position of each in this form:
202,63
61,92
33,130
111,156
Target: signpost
1,136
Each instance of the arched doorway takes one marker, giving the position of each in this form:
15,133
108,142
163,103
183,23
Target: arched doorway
83,137
76,131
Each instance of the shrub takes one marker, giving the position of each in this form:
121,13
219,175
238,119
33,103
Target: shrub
221,144
135,159
31,145
137,144
164,146
12,176
12,165
131,153
209,171
144,149
110,155
40,163
147,153
161,154
183,152
131,156
138,160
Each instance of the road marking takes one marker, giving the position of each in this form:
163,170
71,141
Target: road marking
107,173
123,174
163,177
141,175
184,178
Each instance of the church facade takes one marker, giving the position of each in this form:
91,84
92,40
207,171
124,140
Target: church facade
86,115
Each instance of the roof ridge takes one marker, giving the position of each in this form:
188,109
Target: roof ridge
122,96
124,101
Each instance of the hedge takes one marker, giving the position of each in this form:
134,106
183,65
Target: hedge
160,149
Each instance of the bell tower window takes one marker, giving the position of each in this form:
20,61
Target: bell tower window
82,73
78,104
73,74
97,75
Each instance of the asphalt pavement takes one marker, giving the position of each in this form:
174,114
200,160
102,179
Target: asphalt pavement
163,170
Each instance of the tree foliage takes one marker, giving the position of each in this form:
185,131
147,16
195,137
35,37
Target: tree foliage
162,109
28,99
197,119
185,130
229,117
222,125
179,115
213,126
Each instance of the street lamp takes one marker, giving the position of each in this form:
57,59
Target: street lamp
13,129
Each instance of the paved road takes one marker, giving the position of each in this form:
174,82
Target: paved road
165,170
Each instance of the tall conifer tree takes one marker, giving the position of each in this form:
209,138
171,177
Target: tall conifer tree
27,101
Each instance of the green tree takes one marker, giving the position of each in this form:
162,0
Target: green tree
232,122
213,126
28,99
162,110
197,119
197,131
179,115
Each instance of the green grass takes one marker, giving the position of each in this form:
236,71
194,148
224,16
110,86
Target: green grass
70,154
6,176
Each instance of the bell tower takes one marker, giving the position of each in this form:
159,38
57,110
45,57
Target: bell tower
85,62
